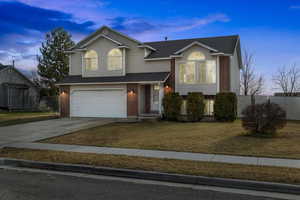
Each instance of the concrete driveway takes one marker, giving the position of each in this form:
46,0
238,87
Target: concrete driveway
34,131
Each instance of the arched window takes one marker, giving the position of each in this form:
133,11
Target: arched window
91,60
196,55
114,59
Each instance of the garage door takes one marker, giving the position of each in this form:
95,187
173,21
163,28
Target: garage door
94,103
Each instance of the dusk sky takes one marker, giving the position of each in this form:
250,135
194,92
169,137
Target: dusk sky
270,29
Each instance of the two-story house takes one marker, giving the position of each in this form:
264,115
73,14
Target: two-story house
113,75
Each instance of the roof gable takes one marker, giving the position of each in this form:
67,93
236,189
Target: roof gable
195,43
101,32
17,72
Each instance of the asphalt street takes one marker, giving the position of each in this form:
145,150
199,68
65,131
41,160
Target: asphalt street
40,185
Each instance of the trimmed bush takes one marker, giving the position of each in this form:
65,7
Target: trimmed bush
172,105
225,107
263,119
195,106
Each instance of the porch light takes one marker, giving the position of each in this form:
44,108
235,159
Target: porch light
167,86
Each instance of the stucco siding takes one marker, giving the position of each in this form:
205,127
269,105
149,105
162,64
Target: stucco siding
134,58
207,89
75,63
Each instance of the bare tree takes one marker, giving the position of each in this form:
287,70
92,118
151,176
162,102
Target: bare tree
251,83
287,79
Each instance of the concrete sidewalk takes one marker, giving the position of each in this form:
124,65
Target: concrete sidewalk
247,160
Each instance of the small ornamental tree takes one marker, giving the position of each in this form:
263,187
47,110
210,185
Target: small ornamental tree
195,106
172,106
225,107
263,119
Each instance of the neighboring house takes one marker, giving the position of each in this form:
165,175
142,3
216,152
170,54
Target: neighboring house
17,92
113,75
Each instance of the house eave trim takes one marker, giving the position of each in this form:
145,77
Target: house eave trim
195,43
146,46
110,83
163,58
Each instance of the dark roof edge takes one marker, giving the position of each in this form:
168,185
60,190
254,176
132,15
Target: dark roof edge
212,37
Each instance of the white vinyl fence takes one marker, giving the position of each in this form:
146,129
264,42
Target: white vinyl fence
290,104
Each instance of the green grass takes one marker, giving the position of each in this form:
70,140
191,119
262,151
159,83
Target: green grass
204,137
12,118
235,171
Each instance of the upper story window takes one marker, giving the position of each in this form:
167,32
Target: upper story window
196,55
114,59
91,60
197,70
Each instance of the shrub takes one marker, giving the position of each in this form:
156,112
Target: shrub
195,106
263,119
225,107
172,104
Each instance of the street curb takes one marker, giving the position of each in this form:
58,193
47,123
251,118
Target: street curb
156,176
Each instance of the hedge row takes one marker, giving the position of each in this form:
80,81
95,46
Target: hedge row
225,106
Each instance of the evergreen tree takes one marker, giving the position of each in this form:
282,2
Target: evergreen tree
53,62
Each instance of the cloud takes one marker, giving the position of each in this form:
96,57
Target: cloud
18,17
22,29
295,7
137,26
131,25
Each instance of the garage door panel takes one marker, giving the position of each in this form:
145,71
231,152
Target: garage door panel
104,103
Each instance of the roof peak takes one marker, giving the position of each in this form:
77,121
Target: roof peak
212,37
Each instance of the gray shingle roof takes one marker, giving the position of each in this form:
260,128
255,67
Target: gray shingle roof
3,66
224,44
130,77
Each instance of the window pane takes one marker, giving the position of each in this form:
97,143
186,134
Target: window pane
202,73
155,94
91,60
190,72
187,73
114,60
209,107
211,71
181,73
196,55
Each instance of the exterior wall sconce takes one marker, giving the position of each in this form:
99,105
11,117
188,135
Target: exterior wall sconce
63,92
167,86
131,91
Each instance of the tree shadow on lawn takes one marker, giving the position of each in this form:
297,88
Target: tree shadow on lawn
242,144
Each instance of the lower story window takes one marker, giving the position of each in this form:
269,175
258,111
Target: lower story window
209,107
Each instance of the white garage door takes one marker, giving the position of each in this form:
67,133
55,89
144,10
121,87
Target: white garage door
98,103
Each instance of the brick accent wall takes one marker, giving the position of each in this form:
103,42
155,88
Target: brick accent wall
224,73
171,80
64,101
132,100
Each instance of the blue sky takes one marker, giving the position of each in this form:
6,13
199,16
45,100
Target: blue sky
270,29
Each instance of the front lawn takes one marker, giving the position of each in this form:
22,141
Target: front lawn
204,137
248,172
12,118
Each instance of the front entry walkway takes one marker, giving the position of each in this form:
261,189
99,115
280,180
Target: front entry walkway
247,160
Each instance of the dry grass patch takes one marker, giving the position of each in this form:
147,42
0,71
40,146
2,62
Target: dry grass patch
204,137
12,118
270,174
